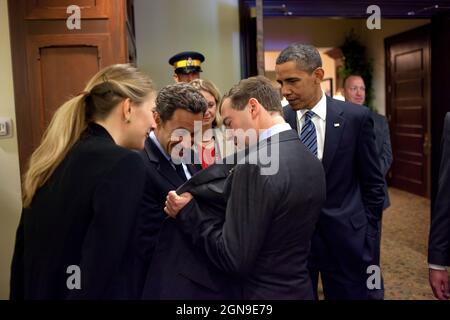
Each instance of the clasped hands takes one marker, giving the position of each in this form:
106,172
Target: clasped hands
174,203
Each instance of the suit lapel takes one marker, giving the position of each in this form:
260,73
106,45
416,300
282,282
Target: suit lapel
193,168
334,128
162,164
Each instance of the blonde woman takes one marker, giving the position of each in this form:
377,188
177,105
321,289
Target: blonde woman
213,146
82,191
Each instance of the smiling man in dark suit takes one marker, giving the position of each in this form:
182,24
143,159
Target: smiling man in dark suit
178,106
439,243
341,135
263,234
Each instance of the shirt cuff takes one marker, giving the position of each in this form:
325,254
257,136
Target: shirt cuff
436,267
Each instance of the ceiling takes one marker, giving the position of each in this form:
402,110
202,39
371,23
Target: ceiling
398,9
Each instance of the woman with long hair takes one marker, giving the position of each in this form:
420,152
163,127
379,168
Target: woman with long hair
81,193
213,145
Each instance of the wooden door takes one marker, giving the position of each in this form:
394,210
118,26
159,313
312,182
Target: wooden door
408,68
51,62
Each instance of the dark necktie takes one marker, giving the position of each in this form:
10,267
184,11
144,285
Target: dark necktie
308,134
180,171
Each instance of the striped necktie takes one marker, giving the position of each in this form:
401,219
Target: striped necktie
308,134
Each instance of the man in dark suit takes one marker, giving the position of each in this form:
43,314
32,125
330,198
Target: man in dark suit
178,106
355,92
344,247
439,242
273,199
179,270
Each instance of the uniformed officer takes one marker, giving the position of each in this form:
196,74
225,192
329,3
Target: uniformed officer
187,66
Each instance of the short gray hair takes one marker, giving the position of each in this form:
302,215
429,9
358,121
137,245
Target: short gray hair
306,56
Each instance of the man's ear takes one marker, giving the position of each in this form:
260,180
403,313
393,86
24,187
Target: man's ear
319,73
254,107
175,78
157,118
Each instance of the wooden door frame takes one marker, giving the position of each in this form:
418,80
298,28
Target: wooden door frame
20,79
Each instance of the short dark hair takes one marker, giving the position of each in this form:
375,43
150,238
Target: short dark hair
306,56
258,87
179,96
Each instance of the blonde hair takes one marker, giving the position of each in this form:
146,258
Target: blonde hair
208,86
103,92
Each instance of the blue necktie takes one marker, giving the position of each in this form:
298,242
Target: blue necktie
308,134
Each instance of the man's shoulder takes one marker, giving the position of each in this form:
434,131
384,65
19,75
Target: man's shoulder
378,117
348,108
288,112
447,121
354,114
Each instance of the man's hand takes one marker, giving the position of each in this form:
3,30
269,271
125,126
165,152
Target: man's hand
174,202
439,283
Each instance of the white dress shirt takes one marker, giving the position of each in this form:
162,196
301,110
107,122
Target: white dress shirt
278,128
319,120
436,267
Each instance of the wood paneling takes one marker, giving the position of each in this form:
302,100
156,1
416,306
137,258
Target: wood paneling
52,63
57,9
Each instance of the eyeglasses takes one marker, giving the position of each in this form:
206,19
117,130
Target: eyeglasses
353,89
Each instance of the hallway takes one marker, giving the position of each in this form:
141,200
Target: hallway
404,247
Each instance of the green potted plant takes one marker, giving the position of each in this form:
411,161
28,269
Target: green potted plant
356,62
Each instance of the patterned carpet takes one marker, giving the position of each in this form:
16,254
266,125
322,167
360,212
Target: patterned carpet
404,247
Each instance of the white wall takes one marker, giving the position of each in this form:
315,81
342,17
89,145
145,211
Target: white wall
10,194
327,32
164,28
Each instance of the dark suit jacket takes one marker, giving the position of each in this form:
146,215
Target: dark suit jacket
180,270
383,142
264,238
84,215
161,178
439,242
347,232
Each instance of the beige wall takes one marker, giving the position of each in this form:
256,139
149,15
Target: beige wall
10,203
327,32
211,27
279,32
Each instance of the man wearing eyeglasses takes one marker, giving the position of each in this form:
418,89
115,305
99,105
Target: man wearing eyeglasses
355,92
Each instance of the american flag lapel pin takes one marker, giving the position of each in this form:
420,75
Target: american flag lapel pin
336,125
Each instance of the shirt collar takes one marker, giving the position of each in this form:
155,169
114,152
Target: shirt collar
320,109
158,145
278,128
